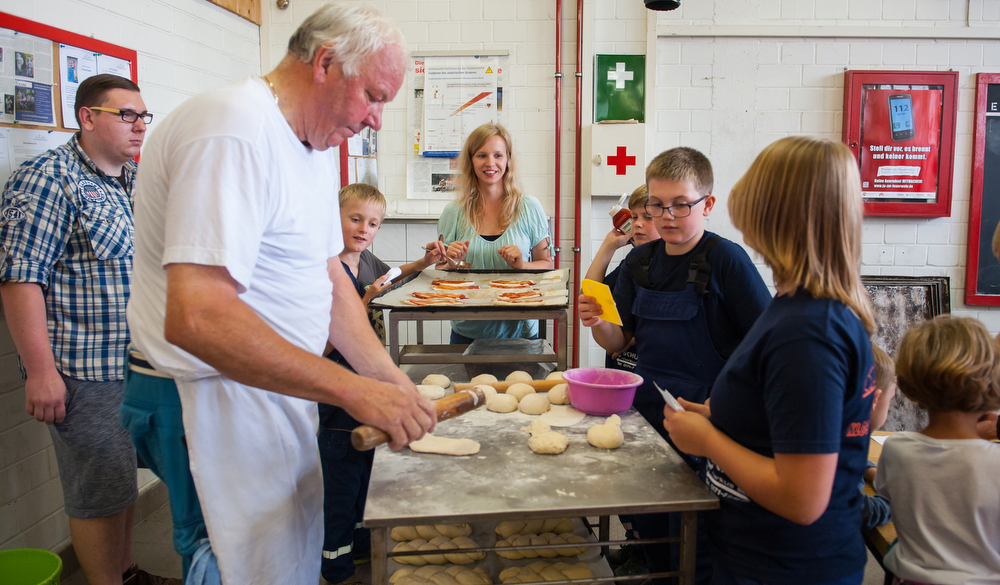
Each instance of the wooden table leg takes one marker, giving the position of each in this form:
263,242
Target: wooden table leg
689,538
379,559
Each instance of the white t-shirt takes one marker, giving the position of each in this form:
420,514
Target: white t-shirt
225,182
945,499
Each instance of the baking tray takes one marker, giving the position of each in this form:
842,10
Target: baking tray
394,297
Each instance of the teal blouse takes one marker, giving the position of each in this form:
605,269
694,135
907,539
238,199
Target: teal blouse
530,228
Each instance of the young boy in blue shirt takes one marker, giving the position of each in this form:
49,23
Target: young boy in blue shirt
687,299
346,471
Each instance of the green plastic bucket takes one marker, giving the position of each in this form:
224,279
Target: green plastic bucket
30,566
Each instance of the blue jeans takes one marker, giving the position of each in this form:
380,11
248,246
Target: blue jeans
151,412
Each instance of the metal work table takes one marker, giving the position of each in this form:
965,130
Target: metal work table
453,354
507,481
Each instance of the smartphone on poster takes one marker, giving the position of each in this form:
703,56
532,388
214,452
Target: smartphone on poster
901,116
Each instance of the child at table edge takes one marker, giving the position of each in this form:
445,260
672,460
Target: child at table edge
942,481
642,232
346,471
786,435
875,511
696,317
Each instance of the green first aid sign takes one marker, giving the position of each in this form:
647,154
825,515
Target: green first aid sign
620,88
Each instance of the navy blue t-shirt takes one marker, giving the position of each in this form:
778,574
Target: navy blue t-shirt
802,381
736,294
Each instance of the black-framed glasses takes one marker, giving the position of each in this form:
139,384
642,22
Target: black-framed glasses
127,115
677,211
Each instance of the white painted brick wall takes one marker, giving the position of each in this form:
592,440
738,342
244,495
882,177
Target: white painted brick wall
184,47
763,89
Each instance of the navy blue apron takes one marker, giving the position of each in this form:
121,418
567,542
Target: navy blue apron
675,318
678,319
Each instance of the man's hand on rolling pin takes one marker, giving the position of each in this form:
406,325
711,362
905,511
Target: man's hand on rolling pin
398,410
512,255
590,311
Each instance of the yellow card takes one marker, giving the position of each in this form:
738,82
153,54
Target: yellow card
602,293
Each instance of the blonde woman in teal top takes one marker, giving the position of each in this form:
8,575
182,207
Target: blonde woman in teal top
507,230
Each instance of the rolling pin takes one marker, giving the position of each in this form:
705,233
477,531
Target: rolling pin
543,385
367,437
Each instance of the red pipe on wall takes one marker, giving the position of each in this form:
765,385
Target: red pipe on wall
558,159
579,175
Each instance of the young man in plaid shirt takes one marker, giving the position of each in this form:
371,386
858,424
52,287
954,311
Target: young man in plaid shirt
65,263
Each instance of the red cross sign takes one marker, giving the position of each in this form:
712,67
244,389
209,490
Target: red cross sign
621,161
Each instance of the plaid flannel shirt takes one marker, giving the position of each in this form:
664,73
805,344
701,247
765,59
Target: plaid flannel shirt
67,226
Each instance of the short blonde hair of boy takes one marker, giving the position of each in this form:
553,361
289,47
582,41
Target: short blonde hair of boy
362,192
638,197
682,164
799,206
885,368
950,364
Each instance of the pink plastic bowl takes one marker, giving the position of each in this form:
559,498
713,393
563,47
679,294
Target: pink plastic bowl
601,391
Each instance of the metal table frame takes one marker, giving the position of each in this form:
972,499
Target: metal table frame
413,489
453,354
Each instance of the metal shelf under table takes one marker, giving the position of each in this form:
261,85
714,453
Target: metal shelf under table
507,481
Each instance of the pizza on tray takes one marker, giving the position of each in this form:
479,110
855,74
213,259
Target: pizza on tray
431,302
439,295
519,295
442,284
514,284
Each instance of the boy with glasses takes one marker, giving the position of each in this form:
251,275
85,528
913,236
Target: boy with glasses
688,300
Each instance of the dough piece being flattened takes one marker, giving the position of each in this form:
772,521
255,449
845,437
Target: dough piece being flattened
519,376
534,404
445,446
550,443
437,380
554,376
502,403
559,394
488,391
562,416
430,391
519,390
608,435
484,379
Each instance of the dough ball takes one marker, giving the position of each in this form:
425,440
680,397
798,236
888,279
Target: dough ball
488,391
437,380
554,376
519,376
536,426
559,394
502,403
519,390
550,443
484,379
534,404
430,391
608,435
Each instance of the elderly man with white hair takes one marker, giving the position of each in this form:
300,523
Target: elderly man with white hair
237,291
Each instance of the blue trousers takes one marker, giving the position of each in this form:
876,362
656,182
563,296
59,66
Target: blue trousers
346,473
722,576
151,413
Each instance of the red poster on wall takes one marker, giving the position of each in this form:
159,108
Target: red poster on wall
900,142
